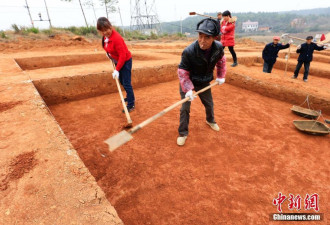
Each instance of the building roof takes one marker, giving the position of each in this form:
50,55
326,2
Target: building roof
250,23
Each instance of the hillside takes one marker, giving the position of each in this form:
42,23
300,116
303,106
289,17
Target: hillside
313,20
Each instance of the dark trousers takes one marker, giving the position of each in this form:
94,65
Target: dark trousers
306,67
268,67
232,52
125,79
207,100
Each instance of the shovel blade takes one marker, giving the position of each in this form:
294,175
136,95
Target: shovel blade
118,140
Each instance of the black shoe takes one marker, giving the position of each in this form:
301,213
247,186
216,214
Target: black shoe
234,64
294,77
129,109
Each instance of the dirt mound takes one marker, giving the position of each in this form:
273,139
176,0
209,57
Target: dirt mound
20,165
246,41
25,44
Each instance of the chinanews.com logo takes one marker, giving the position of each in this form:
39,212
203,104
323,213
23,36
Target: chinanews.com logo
309,202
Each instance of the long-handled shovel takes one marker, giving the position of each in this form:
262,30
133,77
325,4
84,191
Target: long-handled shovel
128,117
301,39
194,13
287,60
121,138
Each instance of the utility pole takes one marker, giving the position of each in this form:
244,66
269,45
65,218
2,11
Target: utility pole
50,24
83,13
121,21
27,6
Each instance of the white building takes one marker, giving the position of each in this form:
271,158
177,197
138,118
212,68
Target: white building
250,26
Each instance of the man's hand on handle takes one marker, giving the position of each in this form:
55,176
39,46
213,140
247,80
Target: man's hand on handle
190,94
115,74
220,80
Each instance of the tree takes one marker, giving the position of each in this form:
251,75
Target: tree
82,10
109,5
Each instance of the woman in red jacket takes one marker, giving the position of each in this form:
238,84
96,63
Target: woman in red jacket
117,50
228,34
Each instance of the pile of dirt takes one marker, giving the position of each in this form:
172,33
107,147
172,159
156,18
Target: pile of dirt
25,44
20,165
246,41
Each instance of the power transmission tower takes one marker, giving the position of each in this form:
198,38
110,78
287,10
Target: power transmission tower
144,16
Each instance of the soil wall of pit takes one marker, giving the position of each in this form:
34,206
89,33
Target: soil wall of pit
34,63
281,63
59,90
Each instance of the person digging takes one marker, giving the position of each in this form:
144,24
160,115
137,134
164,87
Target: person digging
116,49
195,72
306,51
270,53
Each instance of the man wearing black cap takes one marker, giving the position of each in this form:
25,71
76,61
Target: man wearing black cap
306,56
196,72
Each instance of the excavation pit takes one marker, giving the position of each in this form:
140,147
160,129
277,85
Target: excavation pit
152,180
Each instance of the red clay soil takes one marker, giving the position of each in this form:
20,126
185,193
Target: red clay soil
230,177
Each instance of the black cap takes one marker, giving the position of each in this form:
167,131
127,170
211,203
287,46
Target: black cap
209,27
309,38
226,13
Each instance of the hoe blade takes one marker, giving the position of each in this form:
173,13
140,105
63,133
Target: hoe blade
118,140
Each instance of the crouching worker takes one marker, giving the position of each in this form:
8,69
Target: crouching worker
306,56
270,53
116,49
196,72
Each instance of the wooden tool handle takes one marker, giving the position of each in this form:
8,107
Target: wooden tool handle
212,17
153,118
287,61
128,117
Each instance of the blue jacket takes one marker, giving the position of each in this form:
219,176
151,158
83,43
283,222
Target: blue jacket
269,54
306,51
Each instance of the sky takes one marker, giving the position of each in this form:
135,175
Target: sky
64,14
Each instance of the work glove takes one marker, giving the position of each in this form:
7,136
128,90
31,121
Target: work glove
290,41
299,47
190,94
115,74
220,80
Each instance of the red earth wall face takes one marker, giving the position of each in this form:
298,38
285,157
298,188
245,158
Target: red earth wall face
277,91
59,90
34,63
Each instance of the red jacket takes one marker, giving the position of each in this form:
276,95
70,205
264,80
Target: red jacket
117,49
228,33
